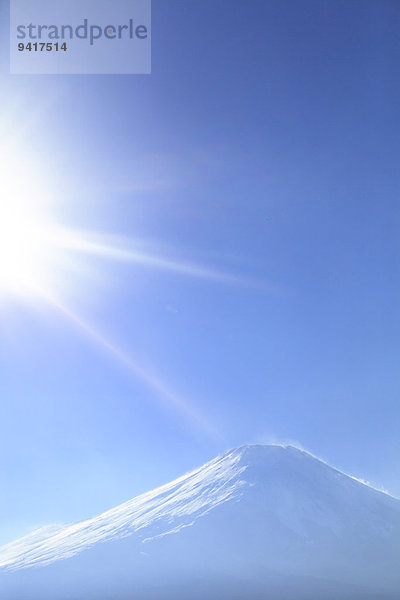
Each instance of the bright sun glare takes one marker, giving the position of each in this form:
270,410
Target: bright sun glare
21,249
25,234
33,247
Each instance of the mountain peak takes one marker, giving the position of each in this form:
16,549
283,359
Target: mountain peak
272,505
262,450
273,456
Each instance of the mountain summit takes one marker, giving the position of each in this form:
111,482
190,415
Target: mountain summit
256,522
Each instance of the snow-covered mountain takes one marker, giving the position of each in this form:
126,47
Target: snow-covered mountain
258,522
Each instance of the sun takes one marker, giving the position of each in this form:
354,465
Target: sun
21,248
25,233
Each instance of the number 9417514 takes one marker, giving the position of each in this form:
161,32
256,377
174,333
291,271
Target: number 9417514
42,47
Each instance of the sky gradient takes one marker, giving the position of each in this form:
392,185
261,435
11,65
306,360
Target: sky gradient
261,159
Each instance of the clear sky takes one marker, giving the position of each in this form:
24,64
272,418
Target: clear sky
241,281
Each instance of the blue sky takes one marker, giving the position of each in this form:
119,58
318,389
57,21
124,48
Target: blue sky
264,146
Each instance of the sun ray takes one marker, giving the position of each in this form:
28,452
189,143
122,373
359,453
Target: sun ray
125,254
152,381
119,249
33,246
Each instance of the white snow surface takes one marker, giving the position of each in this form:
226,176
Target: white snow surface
271,508
188,497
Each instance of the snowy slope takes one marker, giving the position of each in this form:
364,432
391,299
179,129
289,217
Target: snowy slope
264,521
